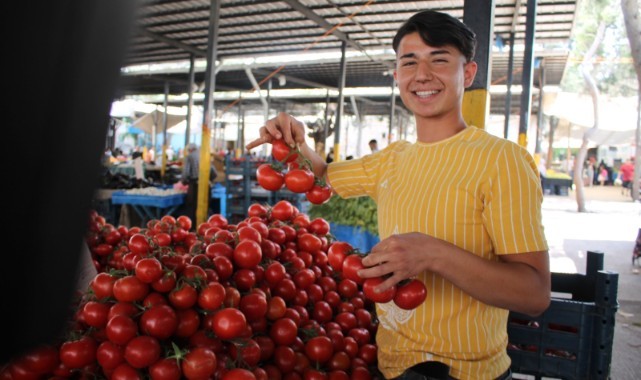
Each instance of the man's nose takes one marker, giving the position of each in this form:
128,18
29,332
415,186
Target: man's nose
423,72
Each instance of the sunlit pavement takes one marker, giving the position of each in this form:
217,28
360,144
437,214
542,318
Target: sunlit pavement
609,225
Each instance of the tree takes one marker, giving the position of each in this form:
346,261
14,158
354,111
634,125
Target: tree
632,17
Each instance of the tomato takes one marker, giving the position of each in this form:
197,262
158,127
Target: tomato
361,335
283,152
369,286
139,243
247,254
217,220
130,289
256,209
269,178
103,285
103,249
41,359
347,288
246,351
162,239
410,295
318,194
284,358
211,297
367,352
165,369
199,363
148,270
283,211
318,226
223,267
183,297
188,323
286,289
276,308
351,265
142,351
309,242
165,283
274,273
299,180
319,349
159,321
232,297
304,278
337,253
283,331
121,329
253,306
229,323
95,314
125,372
184,222
239,374
110,355
78,353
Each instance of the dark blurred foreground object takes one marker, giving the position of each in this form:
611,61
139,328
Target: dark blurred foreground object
63,62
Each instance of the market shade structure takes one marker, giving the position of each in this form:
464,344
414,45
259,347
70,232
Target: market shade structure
575,112
156,117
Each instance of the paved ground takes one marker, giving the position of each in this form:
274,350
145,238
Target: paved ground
610,225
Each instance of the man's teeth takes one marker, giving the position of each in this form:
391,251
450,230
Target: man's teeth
425,93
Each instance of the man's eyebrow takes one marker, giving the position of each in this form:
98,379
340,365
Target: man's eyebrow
432,53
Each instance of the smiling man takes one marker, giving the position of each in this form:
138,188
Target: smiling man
458,209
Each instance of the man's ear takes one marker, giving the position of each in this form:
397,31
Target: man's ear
469,73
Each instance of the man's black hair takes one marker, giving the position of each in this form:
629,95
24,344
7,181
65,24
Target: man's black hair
439,29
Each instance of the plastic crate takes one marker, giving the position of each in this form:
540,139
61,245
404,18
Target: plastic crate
573,338
120,197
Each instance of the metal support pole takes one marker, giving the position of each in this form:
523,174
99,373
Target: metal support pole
539,118
190,97
165,121
479,16
508,93
210,86
526,82
341,103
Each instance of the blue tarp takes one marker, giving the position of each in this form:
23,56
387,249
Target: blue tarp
356,236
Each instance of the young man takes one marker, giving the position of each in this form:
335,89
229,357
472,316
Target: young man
373,145
458,209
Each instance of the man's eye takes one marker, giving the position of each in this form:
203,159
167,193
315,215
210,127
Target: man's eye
408,63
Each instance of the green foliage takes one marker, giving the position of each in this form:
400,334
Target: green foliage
360,212
612,69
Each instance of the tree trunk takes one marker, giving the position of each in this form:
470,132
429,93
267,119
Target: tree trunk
586,66
632,17
554,122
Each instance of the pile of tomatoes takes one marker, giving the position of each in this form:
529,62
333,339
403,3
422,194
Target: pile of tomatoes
292,170
253,300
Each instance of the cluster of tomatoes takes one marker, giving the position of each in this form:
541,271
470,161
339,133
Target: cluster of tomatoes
408,295
291,170
253,300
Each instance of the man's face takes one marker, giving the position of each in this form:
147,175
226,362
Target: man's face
431,79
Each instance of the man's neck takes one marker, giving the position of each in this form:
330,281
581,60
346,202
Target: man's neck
431,130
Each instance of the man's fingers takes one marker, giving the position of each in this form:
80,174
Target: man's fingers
286,124
264,138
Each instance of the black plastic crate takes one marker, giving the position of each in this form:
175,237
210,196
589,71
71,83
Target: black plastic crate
573,338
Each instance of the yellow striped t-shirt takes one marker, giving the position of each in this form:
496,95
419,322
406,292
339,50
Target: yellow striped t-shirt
477,191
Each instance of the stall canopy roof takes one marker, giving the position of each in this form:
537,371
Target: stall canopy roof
156,118
170,31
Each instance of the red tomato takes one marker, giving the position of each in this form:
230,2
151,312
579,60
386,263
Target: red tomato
41,359
103,285
199,363
148,270
211,297
319,349
78,353
239,374
165,369
159,321
337,253
384,297
269,178
184,222
319,226
121,329
246,351
249,233
283,331
110,355
229,323
125,372
142,351
96,314
139,243
165,283
217,220
184,297
351,265
258,210
283,152
283,211
130,289
253,306
319,194
276,308
299,180
410,295
247,254
309,242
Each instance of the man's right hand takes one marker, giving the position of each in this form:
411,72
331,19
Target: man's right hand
283,126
